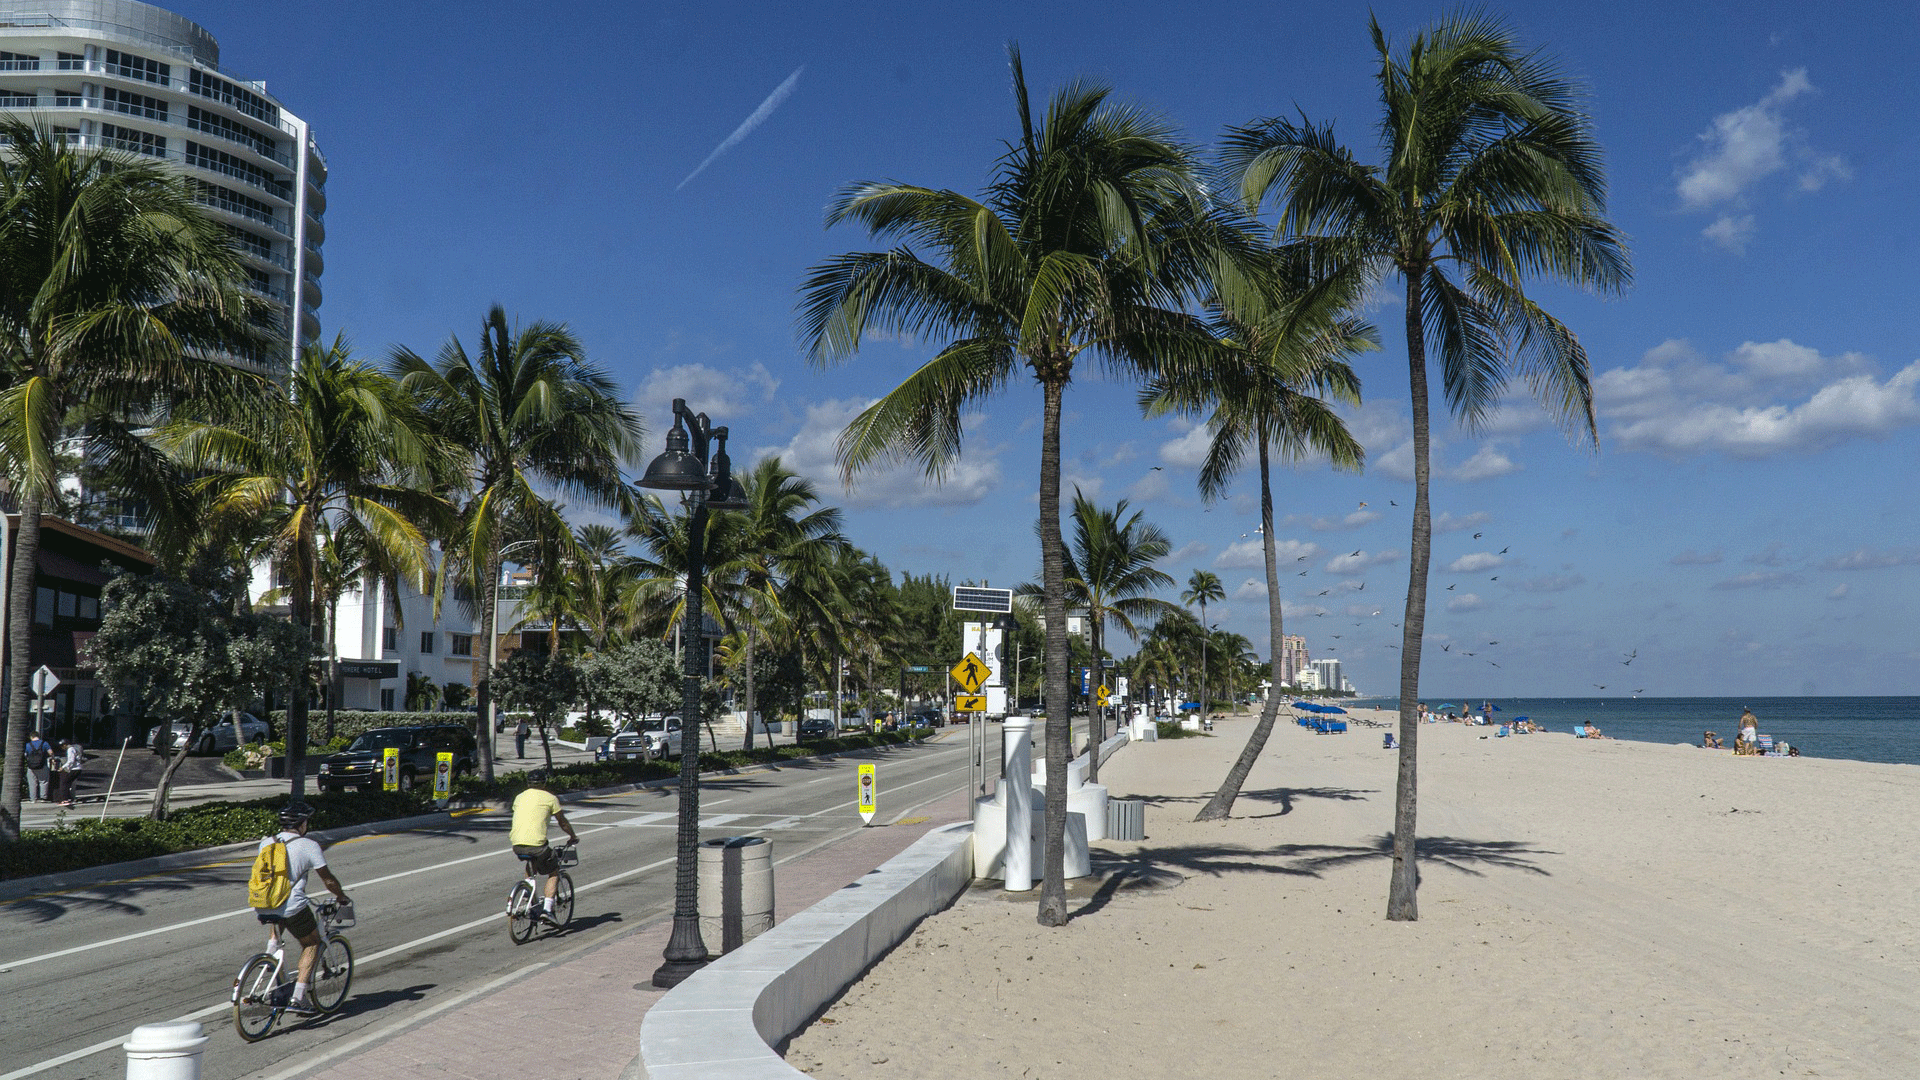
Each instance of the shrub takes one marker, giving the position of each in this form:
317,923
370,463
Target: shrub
1171,729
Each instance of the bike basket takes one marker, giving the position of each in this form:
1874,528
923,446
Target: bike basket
569,857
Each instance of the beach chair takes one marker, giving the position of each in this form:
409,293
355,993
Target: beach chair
1765,743
1579,731
1336,727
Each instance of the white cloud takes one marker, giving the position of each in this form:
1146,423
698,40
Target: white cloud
1732,232
718,392
1864,559
1759,579
1839,592
1356,519
1151,487
1765,398
1360,560
1485,464
810,453
1190,552
1743,147
1465,602
1474,562
1250,589
1244,555
1445,521
1395,464
1189,450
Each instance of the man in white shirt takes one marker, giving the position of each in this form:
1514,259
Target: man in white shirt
295,917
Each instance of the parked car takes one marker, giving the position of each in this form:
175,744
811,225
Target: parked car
167,738
358,766
815,727
647,738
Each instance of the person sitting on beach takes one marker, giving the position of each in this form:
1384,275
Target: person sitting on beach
1711,741
1593,732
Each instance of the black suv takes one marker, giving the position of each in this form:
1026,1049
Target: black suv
359,764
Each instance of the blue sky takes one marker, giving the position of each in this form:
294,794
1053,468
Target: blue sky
1748,524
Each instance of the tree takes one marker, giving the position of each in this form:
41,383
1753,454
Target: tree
1265,393
528,409
633,679
1110,573
1203,586
1089,244
345,452
546,686
1491,177
189,648
116,289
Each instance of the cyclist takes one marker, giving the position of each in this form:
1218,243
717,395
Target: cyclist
295,917
531,809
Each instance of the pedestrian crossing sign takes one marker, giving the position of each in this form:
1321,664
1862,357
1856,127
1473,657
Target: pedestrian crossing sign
869,795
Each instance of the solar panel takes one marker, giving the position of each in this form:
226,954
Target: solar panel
973,598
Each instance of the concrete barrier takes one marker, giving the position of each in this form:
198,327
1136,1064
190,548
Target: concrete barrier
723,1022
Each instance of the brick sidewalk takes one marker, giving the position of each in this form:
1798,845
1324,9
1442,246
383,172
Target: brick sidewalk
579,1019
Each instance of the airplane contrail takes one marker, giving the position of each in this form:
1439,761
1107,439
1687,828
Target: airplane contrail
755,119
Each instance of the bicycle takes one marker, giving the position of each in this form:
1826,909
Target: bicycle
261,995
523,903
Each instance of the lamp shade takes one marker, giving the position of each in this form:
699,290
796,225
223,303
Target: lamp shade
675,470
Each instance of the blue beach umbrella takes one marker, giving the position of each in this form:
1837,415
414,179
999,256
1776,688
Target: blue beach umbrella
1334,709
1191,706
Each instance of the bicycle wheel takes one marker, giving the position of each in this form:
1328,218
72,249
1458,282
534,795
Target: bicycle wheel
521,913
563,902
254,999
332,975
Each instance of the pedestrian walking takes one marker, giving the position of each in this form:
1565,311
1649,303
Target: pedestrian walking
39,758
520,732
72,760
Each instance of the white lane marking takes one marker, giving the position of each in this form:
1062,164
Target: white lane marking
824,779
587,811
223,1005
11,964
642,819
724,819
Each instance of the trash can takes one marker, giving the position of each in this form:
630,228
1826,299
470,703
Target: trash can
1126,819
735,900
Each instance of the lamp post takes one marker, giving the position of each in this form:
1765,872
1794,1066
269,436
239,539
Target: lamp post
704,485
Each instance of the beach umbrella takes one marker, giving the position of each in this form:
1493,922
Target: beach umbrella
1334,709
1189,706
1517,719
1446,705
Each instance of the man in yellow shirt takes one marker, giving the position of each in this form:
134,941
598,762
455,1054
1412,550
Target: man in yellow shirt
531,809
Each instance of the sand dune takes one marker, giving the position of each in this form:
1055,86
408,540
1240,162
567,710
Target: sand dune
1588,909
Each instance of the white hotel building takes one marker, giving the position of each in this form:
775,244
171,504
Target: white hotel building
137,78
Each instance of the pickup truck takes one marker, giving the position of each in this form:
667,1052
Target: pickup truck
646,738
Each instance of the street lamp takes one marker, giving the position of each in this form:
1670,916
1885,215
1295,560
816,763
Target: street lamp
704,485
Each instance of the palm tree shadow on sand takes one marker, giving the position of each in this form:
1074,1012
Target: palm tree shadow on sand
1165,867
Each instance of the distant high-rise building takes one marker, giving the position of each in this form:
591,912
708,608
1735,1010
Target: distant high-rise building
1329,675
1293,658
136,78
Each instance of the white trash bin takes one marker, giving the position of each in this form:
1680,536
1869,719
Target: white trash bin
735,891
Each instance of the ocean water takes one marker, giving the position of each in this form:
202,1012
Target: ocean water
1861,728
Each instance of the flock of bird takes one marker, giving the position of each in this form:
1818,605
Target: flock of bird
1446,648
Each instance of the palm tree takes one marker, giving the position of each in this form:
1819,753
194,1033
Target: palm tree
1110,573
528,409
768,555
1089,244
1202,586
116,288
1492,176
345,450
1264,396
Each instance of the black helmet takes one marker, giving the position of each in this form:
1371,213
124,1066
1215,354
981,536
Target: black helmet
295,813
536,777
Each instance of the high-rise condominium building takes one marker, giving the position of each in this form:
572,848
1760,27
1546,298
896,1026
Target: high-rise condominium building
136,78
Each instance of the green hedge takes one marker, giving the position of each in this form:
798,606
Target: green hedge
89,842
1171,729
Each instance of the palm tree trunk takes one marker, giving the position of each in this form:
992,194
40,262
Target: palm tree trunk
483,686
26,547
1205,635
1053,881
750,701
305,559
333,662
1221,805
1402,899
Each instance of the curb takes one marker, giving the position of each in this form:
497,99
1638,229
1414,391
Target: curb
68,880
723,1022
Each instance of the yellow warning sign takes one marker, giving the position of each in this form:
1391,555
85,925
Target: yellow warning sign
970,673
869,793
1101,695
969,703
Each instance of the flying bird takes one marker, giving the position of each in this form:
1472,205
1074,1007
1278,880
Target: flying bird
1303,558
1324,592
1363,506
1362,587
1303,573
1446,648
1156,468
1493,643
1336,637
1599,686
1464,652
1355,555
1449,588
1503,551
1495,577
1477,536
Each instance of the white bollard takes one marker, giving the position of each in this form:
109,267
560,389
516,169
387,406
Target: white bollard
165,1051
1016,787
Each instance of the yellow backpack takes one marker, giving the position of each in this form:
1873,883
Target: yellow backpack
270,883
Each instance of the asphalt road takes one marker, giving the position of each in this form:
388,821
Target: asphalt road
80,970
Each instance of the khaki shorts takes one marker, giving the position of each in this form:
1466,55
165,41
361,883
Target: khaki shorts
543,859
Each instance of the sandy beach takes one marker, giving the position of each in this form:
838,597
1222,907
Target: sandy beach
1588,909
